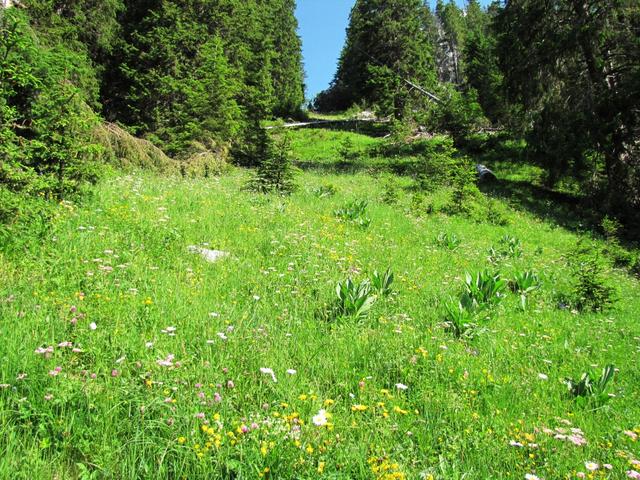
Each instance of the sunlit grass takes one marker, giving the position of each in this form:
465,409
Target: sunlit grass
199,370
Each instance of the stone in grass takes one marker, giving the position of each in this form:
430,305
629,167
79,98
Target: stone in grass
484,174
209,255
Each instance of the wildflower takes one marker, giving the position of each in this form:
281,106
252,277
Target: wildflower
542,376
591,466
149,344
4,385
115,373
309,449
632,435
48,397
55,371
200,415
321,466
577,440
93,326
401,386
321,419
633,474
217,397
358,408
65,345
222,336
291,371
608,466
181,440
581,475
268,371
530,476
513,443
230,384
256,297
167,362
400,411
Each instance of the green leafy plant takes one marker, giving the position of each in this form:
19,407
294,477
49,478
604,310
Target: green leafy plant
381,282
483,289
355,212
325,191
354,299
460,319
592,388
508,247
448,240
525,283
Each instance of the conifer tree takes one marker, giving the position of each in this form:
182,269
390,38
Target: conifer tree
386,43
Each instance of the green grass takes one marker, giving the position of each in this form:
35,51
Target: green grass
120,260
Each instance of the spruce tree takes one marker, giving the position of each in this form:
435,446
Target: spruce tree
386,43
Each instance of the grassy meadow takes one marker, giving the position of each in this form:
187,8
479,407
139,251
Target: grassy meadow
125,355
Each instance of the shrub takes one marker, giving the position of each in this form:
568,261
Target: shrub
590,290
275,173
390,192
346,150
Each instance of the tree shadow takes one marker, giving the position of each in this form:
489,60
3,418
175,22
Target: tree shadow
569,211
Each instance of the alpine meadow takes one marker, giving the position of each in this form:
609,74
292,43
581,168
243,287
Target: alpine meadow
430,270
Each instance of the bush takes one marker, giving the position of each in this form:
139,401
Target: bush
275,173
590,289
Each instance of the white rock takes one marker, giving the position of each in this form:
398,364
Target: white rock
207,254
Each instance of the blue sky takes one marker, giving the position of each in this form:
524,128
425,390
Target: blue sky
322,28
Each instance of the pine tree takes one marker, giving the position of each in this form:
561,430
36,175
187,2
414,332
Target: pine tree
274,173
